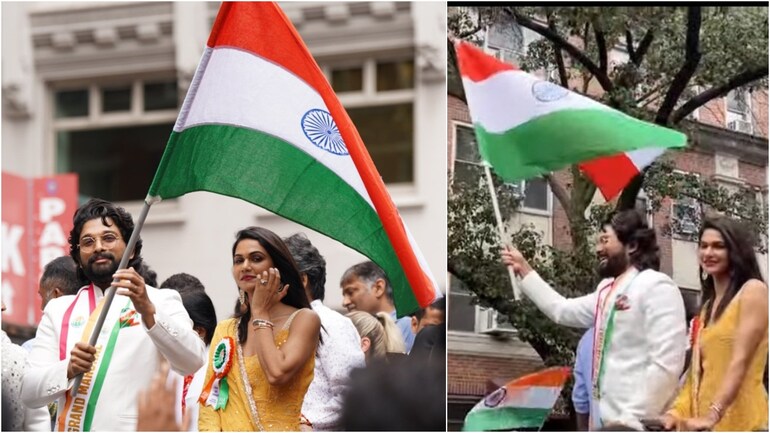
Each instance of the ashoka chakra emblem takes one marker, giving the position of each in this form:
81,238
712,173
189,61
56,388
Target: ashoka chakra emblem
544,91
320,129
494,399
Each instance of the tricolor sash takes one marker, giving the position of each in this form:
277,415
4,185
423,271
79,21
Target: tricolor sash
604,326
78,412
65,322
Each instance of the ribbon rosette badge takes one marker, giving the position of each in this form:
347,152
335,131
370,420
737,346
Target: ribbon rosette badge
217,391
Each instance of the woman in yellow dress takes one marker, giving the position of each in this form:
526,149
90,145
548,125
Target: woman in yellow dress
724,390
261,361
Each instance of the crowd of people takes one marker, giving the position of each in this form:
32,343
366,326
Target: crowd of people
633,371
284,361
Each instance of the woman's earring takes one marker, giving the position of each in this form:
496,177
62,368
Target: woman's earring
242,296
703,275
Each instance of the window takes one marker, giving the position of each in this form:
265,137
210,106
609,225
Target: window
113,135
738,115
462,311
534,193
378,94
469,170
737,103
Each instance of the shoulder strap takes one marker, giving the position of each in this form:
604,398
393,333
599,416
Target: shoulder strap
288,321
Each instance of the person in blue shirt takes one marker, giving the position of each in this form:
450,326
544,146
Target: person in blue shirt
581,391
365,287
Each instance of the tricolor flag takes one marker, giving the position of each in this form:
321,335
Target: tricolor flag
612,173
527,127
261,123
523,403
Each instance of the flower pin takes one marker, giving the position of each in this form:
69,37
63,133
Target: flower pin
621,303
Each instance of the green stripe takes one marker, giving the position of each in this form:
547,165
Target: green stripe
275,175
505,418
553,141
99,380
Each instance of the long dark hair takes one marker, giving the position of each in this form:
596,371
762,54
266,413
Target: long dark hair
742,263
286,265
102,209
631,229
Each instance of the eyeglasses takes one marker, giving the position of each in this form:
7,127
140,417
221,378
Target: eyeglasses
108,240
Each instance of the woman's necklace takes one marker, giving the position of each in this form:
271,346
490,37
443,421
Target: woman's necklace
246,383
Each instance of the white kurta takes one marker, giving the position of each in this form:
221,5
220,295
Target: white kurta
339,354
646,354
135,361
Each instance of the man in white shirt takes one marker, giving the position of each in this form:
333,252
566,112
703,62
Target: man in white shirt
151,325
639,317
340,351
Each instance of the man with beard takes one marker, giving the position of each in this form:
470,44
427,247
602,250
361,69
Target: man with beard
639,320
143,326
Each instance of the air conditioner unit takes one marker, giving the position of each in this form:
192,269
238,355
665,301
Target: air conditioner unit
490,322
740,126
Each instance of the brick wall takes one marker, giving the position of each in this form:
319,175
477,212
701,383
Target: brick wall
561,232
468,374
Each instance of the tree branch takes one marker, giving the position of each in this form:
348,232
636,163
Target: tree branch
560,42
628,197
630,47
654,90
601,46
559,58
454,83
470,32
644,45
559,191
715,92
691,61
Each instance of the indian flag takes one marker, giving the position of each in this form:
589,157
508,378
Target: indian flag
523,403
527,127
261,123
612,173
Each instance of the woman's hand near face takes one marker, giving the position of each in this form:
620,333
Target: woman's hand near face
268,291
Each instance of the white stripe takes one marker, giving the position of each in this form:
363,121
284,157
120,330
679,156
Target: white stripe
241,89
506,100
643,157
536,397
238,88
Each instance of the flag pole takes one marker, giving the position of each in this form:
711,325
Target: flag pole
110,293
501,230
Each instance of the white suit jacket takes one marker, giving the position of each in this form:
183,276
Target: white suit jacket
135,361
647,351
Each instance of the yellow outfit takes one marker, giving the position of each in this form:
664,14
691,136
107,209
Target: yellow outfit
278,406
749,409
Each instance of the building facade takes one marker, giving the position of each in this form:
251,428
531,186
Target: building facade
730,146
95,88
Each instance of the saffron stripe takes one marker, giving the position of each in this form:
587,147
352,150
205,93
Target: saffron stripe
477,66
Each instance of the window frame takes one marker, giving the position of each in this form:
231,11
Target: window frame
548,212
97,119
680,235
369,96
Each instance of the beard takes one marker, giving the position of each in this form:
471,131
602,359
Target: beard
616,264
101,273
